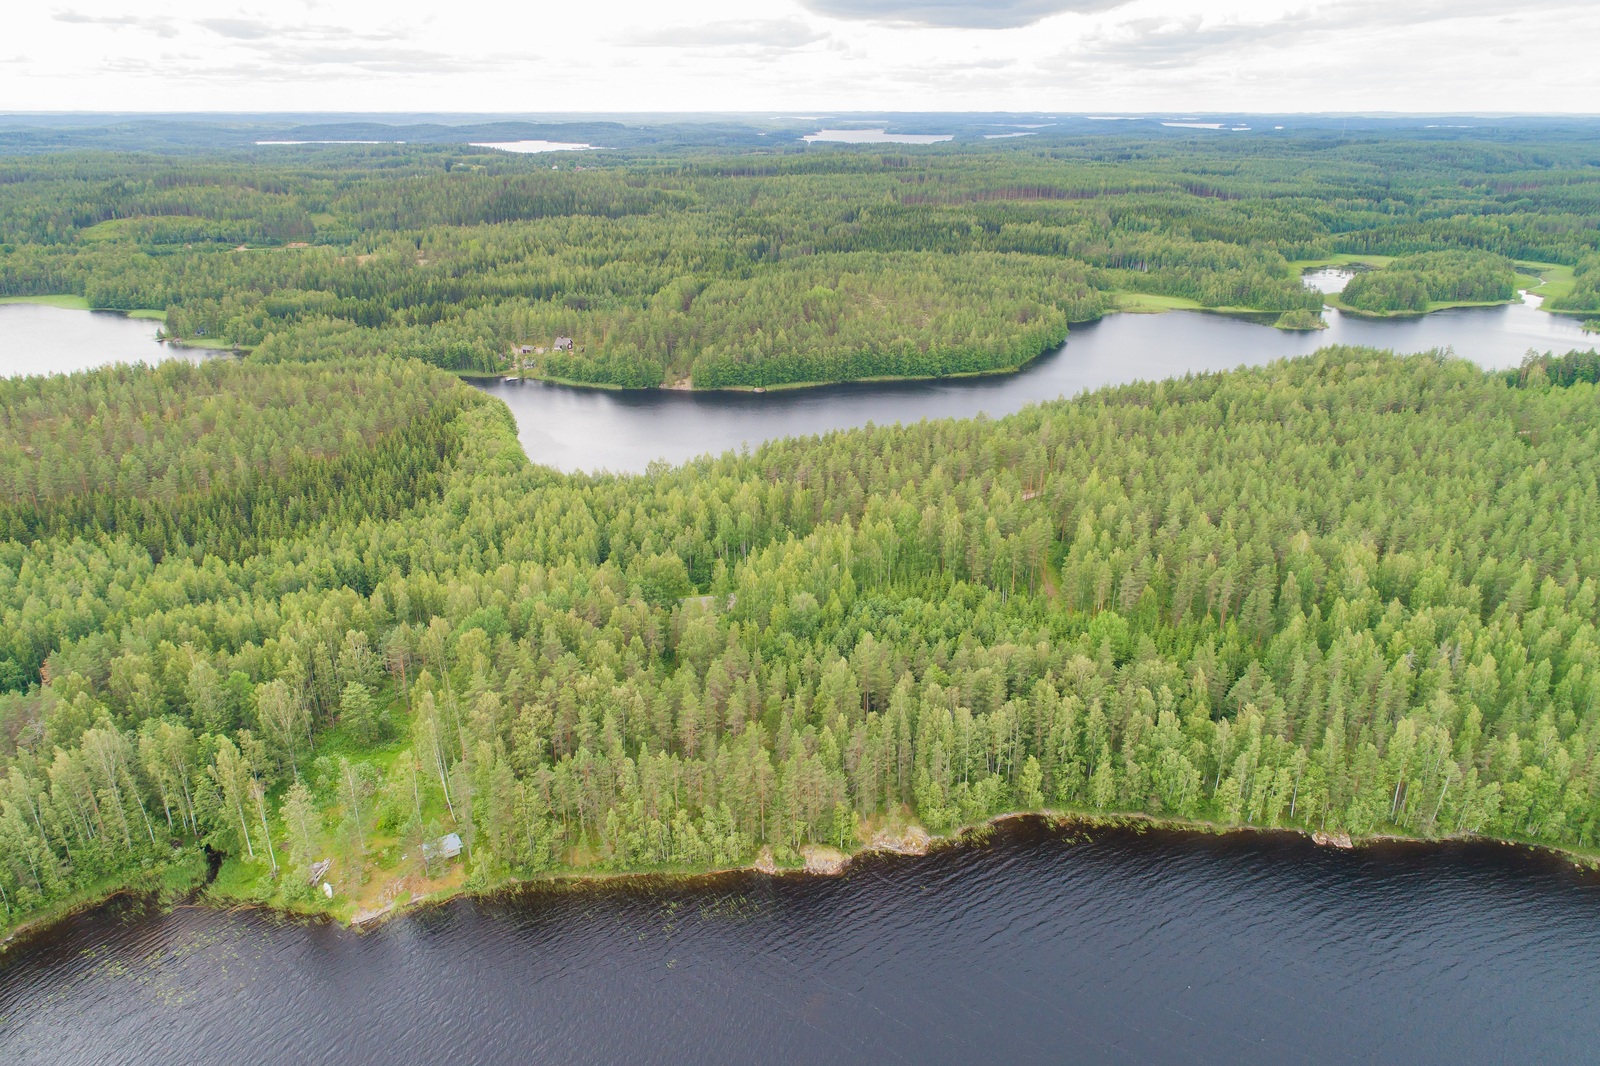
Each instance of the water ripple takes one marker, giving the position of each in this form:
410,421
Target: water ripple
1040,946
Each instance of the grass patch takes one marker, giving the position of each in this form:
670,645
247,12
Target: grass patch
71,303
1345,259
1148,303
68,302
1332,300
243,879
1551,280
111,229
208,343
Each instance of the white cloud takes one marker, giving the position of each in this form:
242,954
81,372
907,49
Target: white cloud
964,14
1106,56
772,33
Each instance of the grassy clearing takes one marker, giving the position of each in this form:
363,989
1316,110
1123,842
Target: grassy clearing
111,229
63,300
1346,259
1148,303
207,343
1145,303
1333,300
1551,280
68,302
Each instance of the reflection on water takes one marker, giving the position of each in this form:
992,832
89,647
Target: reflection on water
36,339
1328,279
535,147
587,429
877,136
1041,946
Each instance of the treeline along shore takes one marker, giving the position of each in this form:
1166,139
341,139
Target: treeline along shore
788,266
319,617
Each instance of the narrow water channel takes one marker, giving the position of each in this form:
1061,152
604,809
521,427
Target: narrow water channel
591,429
594,429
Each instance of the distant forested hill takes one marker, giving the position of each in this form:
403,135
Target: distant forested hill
747,266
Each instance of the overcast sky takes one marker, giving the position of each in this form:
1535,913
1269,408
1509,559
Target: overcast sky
798,55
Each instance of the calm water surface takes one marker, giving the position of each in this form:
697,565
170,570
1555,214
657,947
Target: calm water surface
35,339
588,429
591,429
1040,946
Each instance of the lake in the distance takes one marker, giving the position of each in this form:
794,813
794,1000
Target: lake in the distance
536,147
38,339
876,136
1042,946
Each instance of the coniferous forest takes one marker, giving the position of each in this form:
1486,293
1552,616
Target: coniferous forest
790,266
316,603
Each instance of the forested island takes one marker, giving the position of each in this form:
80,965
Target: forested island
300,613
1429,281
744,269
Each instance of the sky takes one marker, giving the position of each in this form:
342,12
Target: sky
796,56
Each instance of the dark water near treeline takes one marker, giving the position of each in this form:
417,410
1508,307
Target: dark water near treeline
1040,946
589,429
593,429
37,339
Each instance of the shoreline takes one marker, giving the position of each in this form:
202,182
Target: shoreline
911,841
186,874
69,302
817,861
683,385
1333,301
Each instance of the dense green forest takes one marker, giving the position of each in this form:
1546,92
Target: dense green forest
1415,283
1585,294
1351,592
791,265
215,459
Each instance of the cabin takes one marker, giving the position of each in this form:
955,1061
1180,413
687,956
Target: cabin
445,848
526,349
563,344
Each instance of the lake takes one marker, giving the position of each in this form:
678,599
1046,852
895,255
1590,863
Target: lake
590,429
535,147
1042,945
876,136
38,339
595,429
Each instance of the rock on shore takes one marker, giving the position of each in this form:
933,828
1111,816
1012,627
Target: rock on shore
824,861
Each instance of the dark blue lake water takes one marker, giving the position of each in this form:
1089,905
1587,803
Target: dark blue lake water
1042,946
